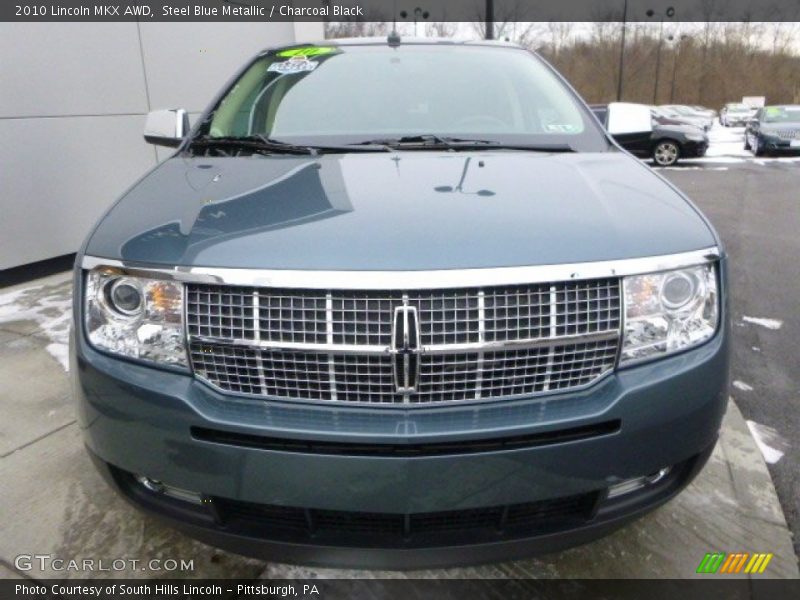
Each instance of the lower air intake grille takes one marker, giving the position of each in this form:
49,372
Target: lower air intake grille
399,530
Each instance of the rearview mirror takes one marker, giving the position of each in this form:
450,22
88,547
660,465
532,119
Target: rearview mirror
166,127
624,117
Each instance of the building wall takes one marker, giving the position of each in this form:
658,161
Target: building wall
73,100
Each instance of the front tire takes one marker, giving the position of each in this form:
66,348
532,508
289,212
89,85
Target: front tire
758,147
666,153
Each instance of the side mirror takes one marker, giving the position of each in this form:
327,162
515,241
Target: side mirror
166,127
624,117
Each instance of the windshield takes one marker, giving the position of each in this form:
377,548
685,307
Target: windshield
739,108
347,95
782,114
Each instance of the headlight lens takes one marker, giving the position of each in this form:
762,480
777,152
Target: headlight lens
669,311
695,137
137,317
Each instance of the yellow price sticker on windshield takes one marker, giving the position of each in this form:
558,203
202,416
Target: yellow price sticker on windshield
307,51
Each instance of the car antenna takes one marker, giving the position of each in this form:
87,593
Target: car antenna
394,38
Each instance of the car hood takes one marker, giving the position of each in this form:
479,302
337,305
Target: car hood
785,126
399,211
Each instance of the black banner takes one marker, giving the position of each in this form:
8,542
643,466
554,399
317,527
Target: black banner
407,589
401,10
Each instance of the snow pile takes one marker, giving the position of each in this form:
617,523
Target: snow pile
769,442
768,323
49,306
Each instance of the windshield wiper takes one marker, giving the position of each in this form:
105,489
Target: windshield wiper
532,147
264,144
428,140
253,143
437,142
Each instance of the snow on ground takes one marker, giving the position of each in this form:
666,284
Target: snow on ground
726,147
769,441
49,306
726,142
741,385
768,323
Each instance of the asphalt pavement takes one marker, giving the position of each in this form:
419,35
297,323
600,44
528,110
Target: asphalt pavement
755,205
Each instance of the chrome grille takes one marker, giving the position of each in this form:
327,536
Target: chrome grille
787,134
221,312
512,372
336,345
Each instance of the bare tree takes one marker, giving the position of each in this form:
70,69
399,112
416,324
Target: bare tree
507,15
355,28
559,34
442,29
700,63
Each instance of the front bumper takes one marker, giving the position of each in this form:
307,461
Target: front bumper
695,149
139,420
342,540
776,144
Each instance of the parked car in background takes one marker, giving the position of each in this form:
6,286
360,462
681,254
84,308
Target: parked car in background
687,115
773,130
735,114
668,140
704,110
444,320
754,102
664,119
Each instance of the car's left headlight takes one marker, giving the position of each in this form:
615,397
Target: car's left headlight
136,317
695,137
669,311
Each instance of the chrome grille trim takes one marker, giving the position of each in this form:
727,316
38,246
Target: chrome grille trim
329,338
431,349
787,134
408,280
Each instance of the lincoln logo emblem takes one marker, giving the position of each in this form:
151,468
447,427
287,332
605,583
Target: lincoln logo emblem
405,348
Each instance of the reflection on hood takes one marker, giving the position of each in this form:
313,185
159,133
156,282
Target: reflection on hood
296,197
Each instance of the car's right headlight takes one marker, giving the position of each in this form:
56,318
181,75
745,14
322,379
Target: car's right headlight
668,311
134,316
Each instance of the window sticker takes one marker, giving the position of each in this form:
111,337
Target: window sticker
296,64
307,51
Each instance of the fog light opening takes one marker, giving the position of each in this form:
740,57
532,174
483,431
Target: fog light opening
153,485
157,487
627,486
658,475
